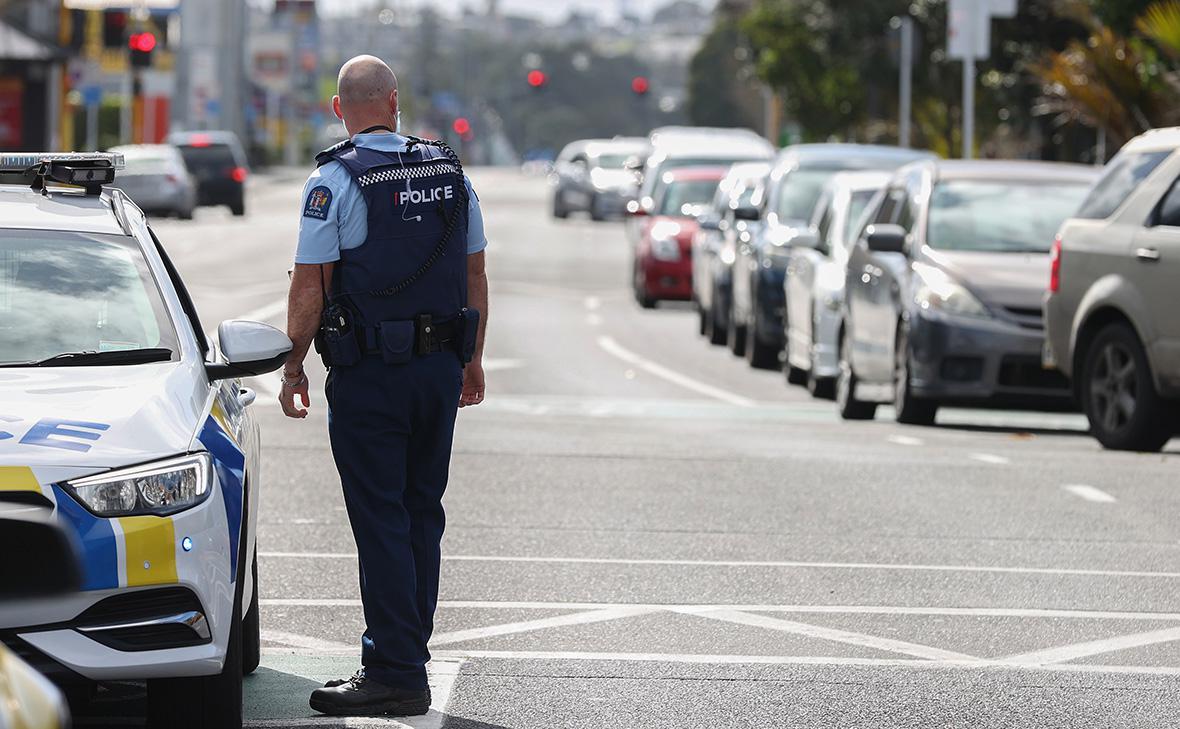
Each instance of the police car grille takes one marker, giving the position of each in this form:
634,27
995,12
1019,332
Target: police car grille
140,605
407,173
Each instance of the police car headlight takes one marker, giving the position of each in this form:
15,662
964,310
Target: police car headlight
160,488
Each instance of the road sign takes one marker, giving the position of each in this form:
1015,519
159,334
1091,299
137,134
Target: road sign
91,95
969,26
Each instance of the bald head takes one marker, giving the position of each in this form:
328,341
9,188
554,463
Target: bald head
366,93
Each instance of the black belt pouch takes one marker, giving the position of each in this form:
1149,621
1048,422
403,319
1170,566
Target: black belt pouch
470,334
397,341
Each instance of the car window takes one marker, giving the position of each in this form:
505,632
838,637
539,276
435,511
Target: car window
76,292
611,161
1122,175
212,158
798,193
887,213
1009,216
1168,212
823,229
856,210
680,196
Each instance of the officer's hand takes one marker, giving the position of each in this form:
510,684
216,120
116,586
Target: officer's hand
287,397
473,386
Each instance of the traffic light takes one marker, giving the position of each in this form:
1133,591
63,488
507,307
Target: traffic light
640,85
461,126
142,45
536,78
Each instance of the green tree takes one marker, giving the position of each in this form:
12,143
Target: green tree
721,91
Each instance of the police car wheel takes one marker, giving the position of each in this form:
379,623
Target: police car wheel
202,702
252,627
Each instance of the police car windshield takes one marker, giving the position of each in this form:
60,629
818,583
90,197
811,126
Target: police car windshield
64,292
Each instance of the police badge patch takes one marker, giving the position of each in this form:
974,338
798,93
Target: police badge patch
319,200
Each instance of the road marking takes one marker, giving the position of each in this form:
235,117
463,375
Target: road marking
905,440
305,641
1089,493
498,365
990,458
972,612
592,303
1056,571
582,618
705,659
267,312
1062,654
614,349
839,636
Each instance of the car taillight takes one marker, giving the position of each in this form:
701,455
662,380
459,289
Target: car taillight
172,178
1055,266
238,174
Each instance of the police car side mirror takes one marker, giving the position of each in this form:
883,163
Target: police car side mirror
29,529
249,348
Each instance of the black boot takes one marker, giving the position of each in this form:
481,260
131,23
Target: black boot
361,696
360,672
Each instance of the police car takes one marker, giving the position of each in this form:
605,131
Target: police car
117,412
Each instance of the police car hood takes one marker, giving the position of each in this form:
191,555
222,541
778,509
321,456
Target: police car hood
98,417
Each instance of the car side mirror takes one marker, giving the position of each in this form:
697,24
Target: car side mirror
53,566
886,238
250,348
746,212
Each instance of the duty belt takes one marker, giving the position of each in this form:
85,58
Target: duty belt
429,336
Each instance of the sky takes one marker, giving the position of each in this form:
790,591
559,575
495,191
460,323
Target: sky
548,9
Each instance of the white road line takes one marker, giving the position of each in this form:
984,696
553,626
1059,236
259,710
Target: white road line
594,320
970,612
1062,654
990,458
582,618
1090,493
1056,571
614,349
839,636
905,440
443,672
306,641
592,303
498,365
706,659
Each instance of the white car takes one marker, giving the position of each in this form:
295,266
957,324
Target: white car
118,413
814,288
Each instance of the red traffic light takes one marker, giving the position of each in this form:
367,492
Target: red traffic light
537,78
142,42
640,85
461,126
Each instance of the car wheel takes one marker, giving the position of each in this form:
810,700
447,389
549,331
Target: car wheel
641,296
596,211
238,208
821,388
735,337
1118,394
703,318
850,407
759,355
185,214
718,323
910,409
202,702
559,210
252,627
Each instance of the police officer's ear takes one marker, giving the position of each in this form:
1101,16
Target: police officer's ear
336,108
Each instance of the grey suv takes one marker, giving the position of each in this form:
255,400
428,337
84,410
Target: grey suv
1113,325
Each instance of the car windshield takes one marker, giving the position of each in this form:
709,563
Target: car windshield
1007,216
63,292
213,158
799,192
681,196
856,208
612,161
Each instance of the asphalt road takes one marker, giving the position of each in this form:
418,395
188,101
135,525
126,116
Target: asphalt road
643,532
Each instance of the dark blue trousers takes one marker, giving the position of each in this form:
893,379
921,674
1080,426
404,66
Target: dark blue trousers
391,428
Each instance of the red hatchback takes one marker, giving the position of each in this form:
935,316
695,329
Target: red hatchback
663,257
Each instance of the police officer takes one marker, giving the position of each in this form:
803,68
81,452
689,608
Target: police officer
390,272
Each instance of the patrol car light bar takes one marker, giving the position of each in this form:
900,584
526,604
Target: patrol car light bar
90,170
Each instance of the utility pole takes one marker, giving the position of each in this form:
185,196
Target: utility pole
906,92
969,39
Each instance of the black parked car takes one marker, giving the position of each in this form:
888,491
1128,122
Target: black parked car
218,162
944,288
